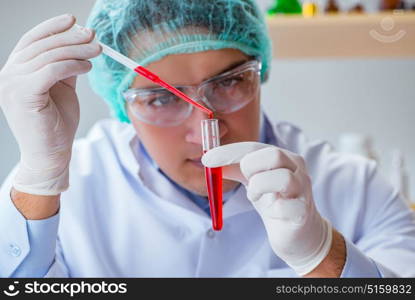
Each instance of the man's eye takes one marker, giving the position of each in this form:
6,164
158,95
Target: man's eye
229,82
161,101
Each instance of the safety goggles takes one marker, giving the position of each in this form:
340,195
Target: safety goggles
225,93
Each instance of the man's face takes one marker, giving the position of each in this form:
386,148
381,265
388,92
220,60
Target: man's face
177,150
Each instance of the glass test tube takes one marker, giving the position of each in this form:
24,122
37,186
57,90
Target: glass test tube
211,139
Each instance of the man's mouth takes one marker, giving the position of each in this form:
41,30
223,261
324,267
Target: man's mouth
196,162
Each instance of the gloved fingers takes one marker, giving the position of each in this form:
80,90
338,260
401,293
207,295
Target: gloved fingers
233,172
230,154
47,28
73,52
268,158
71,82
281,181
297,159
68,107
47,76
293,211
77,35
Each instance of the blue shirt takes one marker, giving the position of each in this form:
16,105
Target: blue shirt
122,217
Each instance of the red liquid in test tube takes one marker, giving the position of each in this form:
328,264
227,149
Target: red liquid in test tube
210,139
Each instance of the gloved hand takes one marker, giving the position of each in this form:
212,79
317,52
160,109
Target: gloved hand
279,188
38,99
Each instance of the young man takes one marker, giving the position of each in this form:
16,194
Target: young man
136,204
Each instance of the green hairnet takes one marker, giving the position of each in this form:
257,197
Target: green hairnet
148,30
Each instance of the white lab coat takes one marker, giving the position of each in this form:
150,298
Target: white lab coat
121,217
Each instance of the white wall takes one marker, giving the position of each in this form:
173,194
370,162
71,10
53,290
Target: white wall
324,97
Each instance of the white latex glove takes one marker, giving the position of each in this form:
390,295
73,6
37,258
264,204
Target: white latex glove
279,188
38,99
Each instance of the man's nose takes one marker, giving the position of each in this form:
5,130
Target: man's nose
193,127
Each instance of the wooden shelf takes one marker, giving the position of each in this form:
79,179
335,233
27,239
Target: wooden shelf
343,36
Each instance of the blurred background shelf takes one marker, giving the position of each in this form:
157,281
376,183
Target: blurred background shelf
343,35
